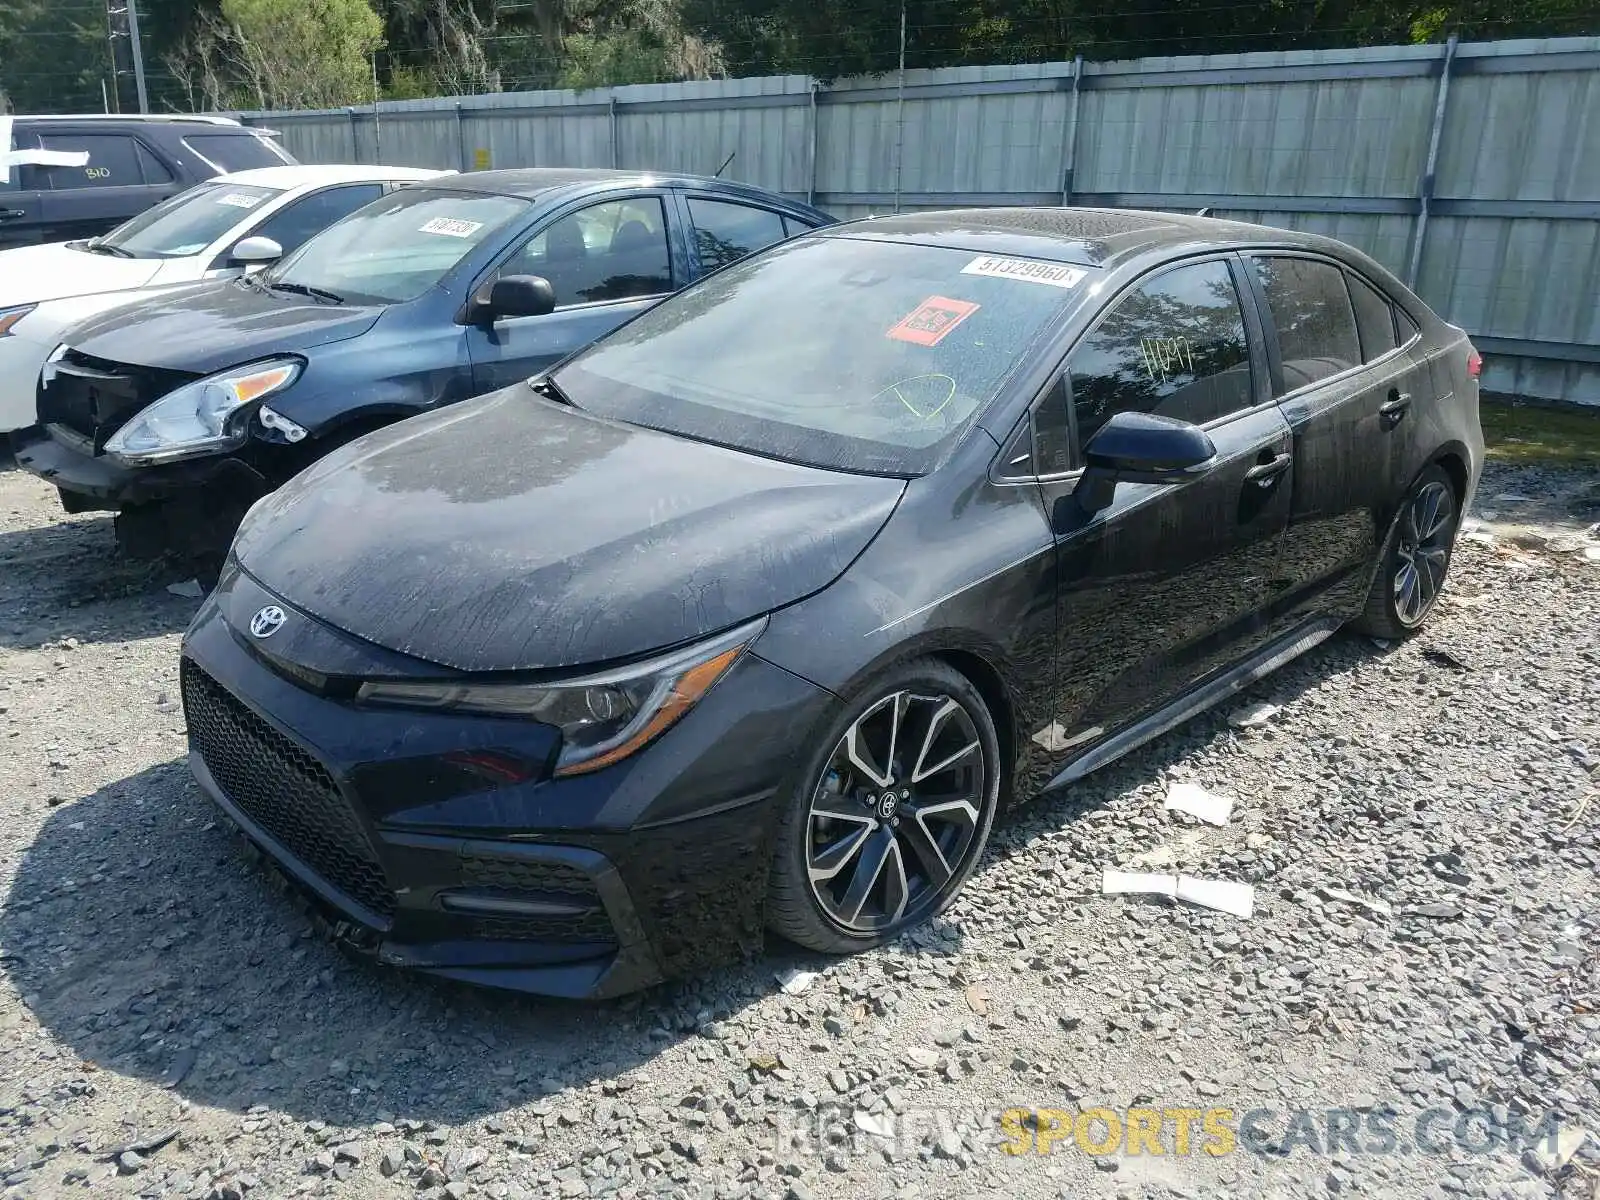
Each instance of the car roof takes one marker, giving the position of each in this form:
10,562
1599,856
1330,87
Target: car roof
322,175
529,182
164,118
1096,237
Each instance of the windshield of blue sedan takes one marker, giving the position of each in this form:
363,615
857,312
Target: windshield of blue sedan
396,248
189,222
856,355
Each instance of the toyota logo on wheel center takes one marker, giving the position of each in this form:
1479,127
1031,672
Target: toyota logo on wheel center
267,621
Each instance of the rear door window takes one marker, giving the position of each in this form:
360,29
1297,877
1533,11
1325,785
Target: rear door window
113,161
1174,346
725,233
1316,323
1374,319
234,151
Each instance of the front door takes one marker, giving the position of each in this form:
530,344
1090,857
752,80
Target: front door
20,204
1169,582
606,263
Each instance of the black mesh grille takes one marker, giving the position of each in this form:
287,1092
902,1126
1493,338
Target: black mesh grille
591,927
544,878
96,398
283,789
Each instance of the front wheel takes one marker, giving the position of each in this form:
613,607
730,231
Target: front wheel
892,813
1414,558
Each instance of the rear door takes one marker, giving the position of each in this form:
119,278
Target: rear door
606,261
1346,387
21,205
1170,581
722,231
122,178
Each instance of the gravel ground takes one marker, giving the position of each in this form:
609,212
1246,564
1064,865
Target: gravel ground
1426,940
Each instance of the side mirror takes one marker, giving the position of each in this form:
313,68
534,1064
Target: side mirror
255,252
513,296
1136,447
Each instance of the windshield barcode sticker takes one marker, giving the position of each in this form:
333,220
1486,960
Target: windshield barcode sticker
930,321
1025,269
452,227
238,200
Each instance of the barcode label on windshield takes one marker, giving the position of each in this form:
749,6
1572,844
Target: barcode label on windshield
452,227
1026,269
238,200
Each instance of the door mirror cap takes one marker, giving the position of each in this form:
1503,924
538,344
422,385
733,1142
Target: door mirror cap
256,252
1134,447
513,296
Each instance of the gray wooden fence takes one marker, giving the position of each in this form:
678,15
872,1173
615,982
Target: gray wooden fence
1471,170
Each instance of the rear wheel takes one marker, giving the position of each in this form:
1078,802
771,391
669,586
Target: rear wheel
893,812
1414,558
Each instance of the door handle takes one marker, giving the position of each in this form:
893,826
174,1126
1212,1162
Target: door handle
11,214
1265,474
1393,411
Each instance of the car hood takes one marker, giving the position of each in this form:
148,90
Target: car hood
31,274
216,325
513,533
47,323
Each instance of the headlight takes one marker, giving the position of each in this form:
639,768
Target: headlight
603,718
195,419
10,316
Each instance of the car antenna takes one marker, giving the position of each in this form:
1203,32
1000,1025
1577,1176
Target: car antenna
1204,212
724,165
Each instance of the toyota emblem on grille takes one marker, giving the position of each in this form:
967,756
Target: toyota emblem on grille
267,621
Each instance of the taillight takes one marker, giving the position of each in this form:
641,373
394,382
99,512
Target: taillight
1474,363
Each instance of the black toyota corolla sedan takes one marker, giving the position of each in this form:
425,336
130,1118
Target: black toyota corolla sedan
754,613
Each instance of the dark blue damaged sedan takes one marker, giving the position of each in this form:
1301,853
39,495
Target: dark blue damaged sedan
752,615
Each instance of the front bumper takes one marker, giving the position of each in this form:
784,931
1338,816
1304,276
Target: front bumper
418,840
96,481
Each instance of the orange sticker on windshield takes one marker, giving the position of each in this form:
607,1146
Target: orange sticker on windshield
931,320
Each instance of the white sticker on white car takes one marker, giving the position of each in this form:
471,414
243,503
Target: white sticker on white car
238,200
452,227
1026,269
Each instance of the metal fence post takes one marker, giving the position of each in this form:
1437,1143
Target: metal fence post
811,162
611,110
1425,191
1070,150
461,138
355,137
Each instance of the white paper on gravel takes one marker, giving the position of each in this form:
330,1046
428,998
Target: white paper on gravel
1193,799
1218,894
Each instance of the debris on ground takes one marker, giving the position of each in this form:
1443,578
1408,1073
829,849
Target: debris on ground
1193,799
793,981
1253,716
189,589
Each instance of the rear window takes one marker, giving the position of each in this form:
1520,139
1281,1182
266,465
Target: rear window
235,151
850,354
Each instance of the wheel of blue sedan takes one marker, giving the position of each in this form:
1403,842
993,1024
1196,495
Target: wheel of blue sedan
893,815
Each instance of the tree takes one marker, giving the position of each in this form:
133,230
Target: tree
271,54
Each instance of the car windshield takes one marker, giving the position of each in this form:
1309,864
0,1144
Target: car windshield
844,353
189,222
398,247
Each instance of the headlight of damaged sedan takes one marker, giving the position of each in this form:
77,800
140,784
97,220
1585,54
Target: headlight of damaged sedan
603,718
201,417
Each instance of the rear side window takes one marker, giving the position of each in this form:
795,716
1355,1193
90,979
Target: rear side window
1316,324
151,167
725,233
234,151
292,227
113,161
1174,346
1374,319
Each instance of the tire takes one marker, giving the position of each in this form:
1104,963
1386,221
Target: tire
1414,558
925,835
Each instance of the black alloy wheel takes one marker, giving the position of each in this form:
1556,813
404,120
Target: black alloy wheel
1415,558
895,811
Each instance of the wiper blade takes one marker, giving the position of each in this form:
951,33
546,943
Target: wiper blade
550,390
98,247
305,289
